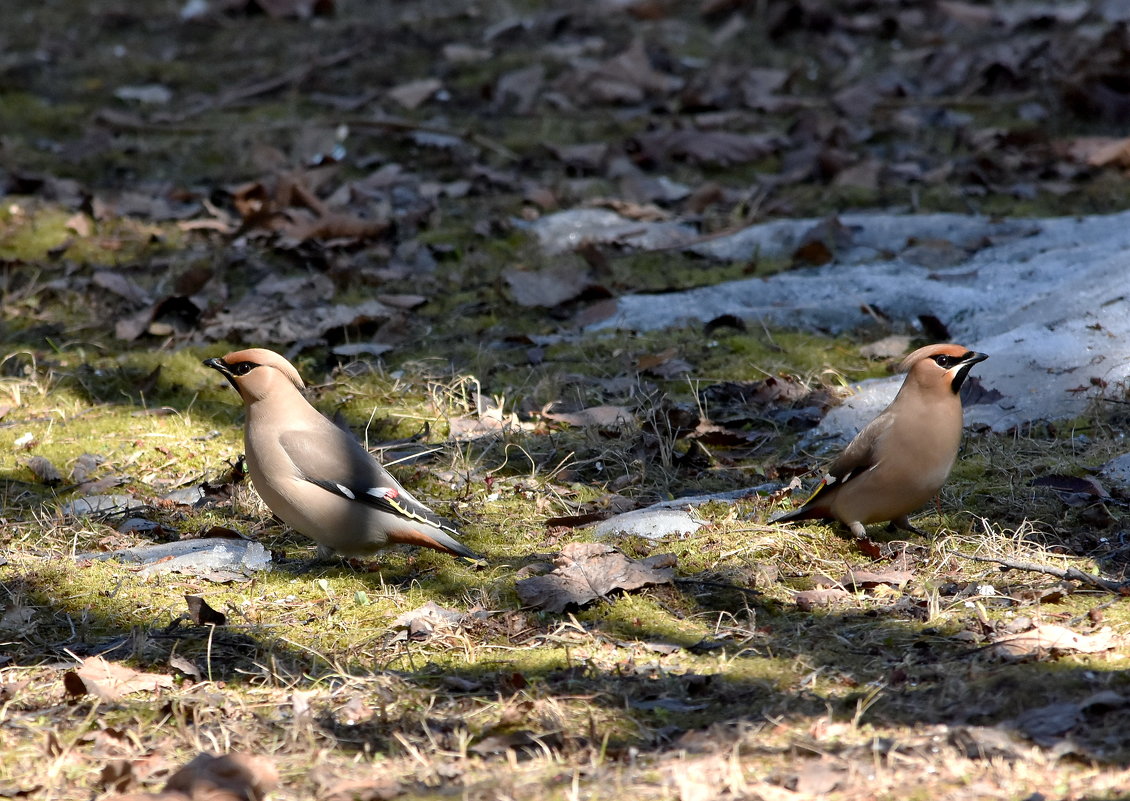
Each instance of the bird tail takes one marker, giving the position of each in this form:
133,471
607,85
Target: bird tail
453,546
810,509
434,538
800,513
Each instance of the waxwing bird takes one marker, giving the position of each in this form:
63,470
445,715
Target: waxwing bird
901,458
317,477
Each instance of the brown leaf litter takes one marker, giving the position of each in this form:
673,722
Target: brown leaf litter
110,681
209,777
1048,640
584,572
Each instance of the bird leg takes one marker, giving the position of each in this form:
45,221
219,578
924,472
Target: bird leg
904,524
865,544
325,557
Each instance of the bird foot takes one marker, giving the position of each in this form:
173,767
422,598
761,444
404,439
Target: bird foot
323,558
904,524
305,566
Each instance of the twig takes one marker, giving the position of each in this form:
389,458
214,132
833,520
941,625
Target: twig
403,125
1069,573
956,100
129,122
292,77
722,585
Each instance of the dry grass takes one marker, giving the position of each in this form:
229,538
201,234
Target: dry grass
721,685
685,692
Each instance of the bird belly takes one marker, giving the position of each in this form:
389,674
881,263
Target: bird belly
882,494
344,526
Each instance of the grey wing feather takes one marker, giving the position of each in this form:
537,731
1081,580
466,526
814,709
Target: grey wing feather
859,455
335,460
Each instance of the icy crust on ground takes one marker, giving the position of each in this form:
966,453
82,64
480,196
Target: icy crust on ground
1047,299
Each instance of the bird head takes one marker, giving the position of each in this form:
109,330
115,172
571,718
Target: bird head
256,372
938,365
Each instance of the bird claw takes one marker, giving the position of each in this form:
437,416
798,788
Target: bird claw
904,524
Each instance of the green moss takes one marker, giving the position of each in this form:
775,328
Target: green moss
31,230
869,670
30,114
643,617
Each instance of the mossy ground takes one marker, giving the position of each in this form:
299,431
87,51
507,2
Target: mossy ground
720,682
604,692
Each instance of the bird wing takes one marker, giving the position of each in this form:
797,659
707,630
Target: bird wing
334,460
857,458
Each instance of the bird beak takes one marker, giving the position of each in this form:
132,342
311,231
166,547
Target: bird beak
967,361
221,366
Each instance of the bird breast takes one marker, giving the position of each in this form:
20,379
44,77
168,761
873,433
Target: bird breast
915,458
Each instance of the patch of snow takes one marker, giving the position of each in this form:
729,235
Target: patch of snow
650,523
1047,299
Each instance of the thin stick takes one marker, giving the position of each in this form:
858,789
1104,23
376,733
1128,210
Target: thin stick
1070,573
722,585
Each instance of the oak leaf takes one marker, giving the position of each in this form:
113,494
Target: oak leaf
586,571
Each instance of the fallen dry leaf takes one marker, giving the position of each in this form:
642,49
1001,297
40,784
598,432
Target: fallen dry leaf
973,392
18,619
576,521
1049,639
243,776
333,225
1100,151
815,253
588,157
865,175
84,466
80,224
517,91
817,777
650,361
402,301
808,600
869,578
626,78
709,777
889,347
110,681
202,614
44,470
423,620
268,317
122,286
120,775
412,94
491,422
189,669
585,571
764,392
1073,490
715,148
548,288
376,788
1046,725
117,775
601,416
820,243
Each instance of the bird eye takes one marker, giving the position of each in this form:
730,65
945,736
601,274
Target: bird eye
243,368
945,362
